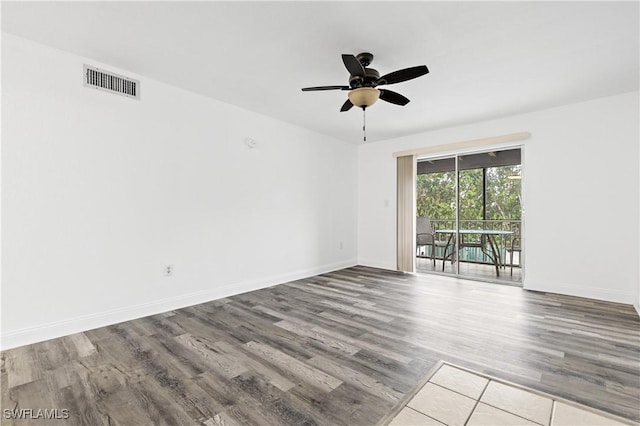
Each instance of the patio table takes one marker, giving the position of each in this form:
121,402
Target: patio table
491,238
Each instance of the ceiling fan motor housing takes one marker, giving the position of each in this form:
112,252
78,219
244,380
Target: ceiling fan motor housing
370,79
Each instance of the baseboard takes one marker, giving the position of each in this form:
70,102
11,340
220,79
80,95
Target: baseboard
637,306
596,293
39,333
378,264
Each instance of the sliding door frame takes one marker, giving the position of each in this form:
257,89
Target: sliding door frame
455,154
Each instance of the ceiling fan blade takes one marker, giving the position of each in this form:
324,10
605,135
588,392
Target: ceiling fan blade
403,75
310,89
393,97
346,106
353,65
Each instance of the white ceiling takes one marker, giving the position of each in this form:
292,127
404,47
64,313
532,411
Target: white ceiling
486,59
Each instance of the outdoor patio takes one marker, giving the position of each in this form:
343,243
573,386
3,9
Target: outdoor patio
476,271
475,262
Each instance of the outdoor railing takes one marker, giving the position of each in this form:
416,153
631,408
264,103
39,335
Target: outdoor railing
471,250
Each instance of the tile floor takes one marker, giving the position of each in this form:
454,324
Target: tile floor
457,397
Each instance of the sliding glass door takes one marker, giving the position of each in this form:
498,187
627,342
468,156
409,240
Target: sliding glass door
473,204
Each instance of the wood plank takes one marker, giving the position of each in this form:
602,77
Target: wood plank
274,378
215,358
360,380
320,336
301,370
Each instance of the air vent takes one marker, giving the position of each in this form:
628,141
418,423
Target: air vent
110,82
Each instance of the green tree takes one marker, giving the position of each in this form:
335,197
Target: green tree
504,193
436,194
470,194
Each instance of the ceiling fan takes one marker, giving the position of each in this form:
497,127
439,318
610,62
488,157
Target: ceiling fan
363,82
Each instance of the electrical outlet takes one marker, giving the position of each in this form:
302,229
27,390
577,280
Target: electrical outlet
168,270
341,245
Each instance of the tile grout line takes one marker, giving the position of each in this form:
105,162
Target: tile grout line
442,387
413,392
513,414
477,402
553,409
509,412
426,415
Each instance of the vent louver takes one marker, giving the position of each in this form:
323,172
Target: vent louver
110,82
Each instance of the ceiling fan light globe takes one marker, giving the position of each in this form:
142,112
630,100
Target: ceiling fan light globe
364,96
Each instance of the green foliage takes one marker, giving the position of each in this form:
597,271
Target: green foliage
471,194
436,192
504,195
436,195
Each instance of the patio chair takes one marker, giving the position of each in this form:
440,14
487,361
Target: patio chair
425,237
515,248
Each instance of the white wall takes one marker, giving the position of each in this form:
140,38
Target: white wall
580,186
100,192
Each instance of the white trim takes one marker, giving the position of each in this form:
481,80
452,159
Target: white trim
637,306
38,333
380,264
474,143
596,293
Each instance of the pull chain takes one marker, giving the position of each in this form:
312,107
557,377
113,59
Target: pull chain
364,124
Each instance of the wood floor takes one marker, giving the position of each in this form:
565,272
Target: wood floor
337,349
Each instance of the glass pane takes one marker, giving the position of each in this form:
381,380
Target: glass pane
504,193
471,195
436,213
490,214
504,206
